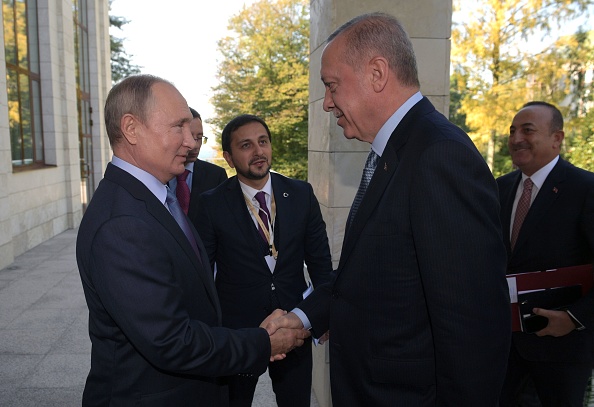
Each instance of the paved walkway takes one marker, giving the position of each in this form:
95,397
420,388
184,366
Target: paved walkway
44,342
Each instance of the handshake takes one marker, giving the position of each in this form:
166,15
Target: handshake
286,333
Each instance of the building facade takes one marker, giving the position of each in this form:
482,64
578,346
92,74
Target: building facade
54,77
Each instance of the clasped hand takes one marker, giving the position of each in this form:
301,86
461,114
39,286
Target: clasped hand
285,333
560,323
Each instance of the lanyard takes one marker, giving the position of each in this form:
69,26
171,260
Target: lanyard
268,232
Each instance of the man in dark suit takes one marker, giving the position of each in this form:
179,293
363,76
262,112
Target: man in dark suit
557,231
200,176
154,316
418,312
260,255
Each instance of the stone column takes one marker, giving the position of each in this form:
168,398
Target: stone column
335,163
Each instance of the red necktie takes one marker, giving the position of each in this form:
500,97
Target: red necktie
182,191
521,210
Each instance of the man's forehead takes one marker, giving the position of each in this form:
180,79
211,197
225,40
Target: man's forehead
529,116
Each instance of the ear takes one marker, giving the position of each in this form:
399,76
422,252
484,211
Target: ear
227,157
129,125
379,73
558,137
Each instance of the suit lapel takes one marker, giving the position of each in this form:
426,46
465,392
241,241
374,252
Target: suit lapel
283,199
158,210
197,175
507,205
550,191
384,171
237,206
386,167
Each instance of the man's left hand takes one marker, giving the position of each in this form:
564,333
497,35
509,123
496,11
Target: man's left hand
560,323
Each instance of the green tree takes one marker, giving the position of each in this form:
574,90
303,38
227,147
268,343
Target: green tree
264,71
561,74
490,50
121,65
458,90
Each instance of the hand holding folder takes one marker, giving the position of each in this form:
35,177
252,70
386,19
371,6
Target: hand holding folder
550,289
556,298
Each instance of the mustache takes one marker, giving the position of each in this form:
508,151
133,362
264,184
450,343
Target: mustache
520,146
258,158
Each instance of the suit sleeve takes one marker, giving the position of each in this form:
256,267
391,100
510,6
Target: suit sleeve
145,299
222,175
317,250
462,264
583,309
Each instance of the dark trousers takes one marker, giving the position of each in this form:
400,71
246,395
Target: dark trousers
291,381
554,384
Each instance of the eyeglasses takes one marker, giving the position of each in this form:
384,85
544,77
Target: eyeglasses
203,139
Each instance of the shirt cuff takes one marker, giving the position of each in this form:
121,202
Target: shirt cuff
301,315
579,325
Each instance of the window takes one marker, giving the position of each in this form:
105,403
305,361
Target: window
21,46
83,98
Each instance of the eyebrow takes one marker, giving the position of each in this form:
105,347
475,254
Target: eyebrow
182,121
522,125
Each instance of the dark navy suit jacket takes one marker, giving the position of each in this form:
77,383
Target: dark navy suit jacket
419,310
205,176
154,316
558,231
244,281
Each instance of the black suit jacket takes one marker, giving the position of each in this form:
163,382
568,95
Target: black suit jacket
558,231
419,309
244,281
205,176
154,317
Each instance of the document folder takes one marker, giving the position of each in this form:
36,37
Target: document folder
549,298
557,288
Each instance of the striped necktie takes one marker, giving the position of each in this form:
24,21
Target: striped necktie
368,171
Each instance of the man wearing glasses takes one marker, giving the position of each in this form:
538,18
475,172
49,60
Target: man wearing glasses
199,176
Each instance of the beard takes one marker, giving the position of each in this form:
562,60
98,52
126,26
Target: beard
249,174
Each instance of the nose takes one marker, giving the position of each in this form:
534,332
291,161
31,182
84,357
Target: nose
328,104
188,140
514,137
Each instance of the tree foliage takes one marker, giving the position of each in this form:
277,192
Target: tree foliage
264,71
499,72
121,65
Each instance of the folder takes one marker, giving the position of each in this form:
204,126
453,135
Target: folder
557,298
556,289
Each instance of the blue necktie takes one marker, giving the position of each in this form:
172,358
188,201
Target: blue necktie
368,171
182,220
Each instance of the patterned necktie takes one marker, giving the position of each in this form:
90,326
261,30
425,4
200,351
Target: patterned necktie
182,220
368,171
182,191
521,210
263,212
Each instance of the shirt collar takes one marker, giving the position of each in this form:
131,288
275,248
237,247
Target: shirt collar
251,192
540,176
382,137
190,166
153,184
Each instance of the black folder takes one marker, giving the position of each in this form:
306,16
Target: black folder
549,298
